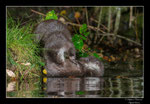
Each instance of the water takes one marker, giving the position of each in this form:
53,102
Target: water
87,87
124,79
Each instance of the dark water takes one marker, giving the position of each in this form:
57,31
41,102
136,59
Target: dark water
92,87
120,80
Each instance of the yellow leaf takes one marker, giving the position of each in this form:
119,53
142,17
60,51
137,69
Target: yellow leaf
112,57
63,12
44,79
109,60
77,14
45,71
118,77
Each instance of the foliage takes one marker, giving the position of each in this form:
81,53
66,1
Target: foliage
51,15
78,40
97,56
22,52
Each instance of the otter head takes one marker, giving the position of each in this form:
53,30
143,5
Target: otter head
92,66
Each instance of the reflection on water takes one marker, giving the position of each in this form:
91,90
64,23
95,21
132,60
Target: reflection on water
91,87
74,87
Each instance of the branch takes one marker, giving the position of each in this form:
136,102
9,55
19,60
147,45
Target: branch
106,34
95,29
38,12
122,37
90,27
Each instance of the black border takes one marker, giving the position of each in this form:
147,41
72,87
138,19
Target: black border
75,2
55,3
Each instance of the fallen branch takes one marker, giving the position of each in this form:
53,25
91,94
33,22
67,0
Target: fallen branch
122,37
38,12
105,34
95,29
90,27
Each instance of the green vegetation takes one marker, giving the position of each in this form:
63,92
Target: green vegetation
78,40
22,52
51,15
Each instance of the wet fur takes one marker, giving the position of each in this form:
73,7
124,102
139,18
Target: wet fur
60,54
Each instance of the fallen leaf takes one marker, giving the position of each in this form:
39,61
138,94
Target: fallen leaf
118,77
137,51
61,19
109,60
101,55
10,73
26,64
113,58
11,86
45,80
105,58
45,71
63,12
77,14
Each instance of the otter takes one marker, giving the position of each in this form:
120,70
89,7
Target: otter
60,54
91,66
57,41
69,69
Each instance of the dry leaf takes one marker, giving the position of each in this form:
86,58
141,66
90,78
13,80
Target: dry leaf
113,58
10,73
77,14
137,51
105,58
45,80
63,12
61,19
11,86
101,55
118,77
26,64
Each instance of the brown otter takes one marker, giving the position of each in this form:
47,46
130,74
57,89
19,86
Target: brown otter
91,66
68,69
60,54
56,39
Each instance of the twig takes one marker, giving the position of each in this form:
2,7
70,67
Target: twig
91,27
122,37
92,19
95,29
38,12
106,34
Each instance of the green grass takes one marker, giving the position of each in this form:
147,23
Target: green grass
22,49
